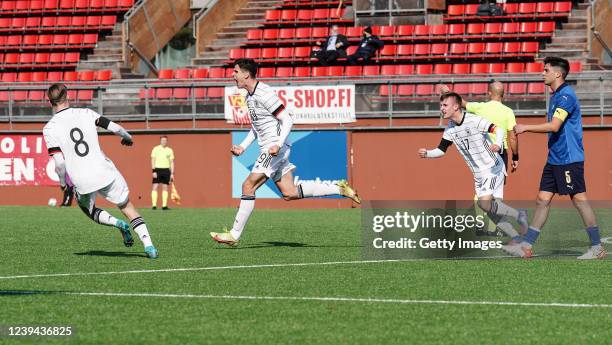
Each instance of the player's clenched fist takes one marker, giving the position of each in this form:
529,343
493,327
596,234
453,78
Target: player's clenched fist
422,153
495,148
127,142
237,150
274,150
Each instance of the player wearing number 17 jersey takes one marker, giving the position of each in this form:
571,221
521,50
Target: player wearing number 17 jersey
72,140
469,133
271,124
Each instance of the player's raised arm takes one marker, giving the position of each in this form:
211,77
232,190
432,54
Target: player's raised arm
551,126
437,152
115,128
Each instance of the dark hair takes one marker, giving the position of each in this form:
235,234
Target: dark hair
163,136
555,61
368,30
57,94
248,65
454,95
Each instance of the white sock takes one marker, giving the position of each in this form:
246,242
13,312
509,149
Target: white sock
309,189
102,217
140,228
501,209
507,228
247,204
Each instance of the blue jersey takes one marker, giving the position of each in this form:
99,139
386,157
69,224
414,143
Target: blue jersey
565,146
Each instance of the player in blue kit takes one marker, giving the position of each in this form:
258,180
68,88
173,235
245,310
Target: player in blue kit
564,170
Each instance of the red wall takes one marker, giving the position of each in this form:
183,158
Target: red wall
383,165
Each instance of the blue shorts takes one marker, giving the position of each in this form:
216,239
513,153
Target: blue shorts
563,179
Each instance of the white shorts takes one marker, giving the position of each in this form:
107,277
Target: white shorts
491,184
274,167
117,193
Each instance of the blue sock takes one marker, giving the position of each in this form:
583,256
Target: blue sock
532,235
517,238
594,235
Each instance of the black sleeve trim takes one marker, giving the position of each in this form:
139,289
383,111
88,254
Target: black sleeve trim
54,150
103,122
515,157
278,110
444,144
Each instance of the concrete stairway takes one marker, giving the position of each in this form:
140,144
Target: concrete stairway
232,36
107,54
570,40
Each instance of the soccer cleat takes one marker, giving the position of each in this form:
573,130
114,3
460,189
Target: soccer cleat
518,250
224,238
347,191
523,221
154,208
151,252
124,228
593,253
165,208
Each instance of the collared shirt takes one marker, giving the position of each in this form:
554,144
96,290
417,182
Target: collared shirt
494,111
163,157
331,44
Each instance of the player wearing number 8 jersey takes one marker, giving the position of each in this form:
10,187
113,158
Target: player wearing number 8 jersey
72,140
469,133
271,125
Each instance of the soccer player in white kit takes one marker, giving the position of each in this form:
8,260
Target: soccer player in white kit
469,133
72,140
271,125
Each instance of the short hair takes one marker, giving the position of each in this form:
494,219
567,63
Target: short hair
57,94
451,94
555,61
248,65
163,136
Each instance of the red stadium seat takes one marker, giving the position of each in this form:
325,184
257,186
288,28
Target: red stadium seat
67,4
96,4
85,95
39,76
423,69
78,21
439,49
165,74
164,93
75,39
530,47
563,7
216,72
494,47
421,49
456,29
512,47
229,72
11,58
51,4
534,67
33,22
371,71
9,77
546,27
479,88
90,39
288,15
303,32
272,15
286,34
351,50
54,76
528,27
438,30
355,31
125,4
182,73
421,30
270,34
108,21
388,70
200,73
442,69
493,28
48,22
471,9
387,31
8,6
103,75
284,72
63,21
265,72
458,48
461,88
515,67
301,72
302,52
456,10
545,7
480,68
354,71
476,48
405,30
30,40
5,23
270,53
20,95
86,76
510,8
181,92
252,53
304,15
388,50
405,50
18,22
383,90
41,58
320,14
24,77
475,29
81,4
45,40
26,58
461,68
60,40
319,32
200,92
285,53
527,7
511,28
405,90
254,34
71,76
236,53
335,71
575,66
405,69
537,88
424,89
14,40
517,88
37,96
147,93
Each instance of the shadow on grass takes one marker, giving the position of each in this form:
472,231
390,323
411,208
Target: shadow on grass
112,254
24,292
286,244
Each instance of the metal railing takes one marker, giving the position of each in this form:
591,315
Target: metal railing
201,99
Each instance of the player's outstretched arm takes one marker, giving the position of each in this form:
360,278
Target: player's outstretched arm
115,128
552,126
437,152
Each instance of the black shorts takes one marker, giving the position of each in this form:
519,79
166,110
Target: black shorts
163,176
563,179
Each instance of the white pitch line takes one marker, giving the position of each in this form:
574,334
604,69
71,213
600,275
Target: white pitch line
325,299
191,269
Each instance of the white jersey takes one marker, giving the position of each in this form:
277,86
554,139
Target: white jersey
73,132
264,105
470,137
